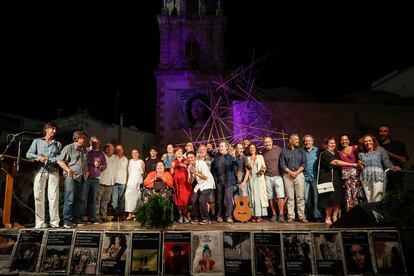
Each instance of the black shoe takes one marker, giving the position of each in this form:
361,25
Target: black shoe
68,225
90,221
80,223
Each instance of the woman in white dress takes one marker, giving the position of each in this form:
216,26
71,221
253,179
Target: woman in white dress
136,169
255,169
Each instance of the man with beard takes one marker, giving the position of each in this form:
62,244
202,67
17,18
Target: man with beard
398,156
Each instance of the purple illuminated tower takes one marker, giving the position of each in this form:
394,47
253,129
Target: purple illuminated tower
191,57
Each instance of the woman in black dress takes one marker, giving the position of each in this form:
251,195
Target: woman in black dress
329,170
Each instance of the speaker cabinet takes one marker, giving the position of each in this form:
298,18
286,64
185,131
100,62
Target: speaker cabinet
365,215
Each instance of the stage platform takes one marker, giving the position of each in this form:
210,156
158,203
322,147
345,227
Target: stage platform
218,226
237,248
213,226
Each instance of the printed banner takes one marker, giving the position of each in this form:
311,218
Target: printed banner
145,254
85,253
267,254
357,253
27,252
177,246
298,253
208,253
56,256
237,253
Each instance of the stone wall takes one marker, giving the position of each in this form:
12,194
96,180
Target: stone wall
324,120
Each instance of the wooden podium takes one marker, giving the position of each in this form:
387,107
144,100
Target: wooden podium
8,165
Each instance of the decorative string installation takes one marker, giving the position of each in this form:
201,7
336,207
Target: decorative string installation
236,113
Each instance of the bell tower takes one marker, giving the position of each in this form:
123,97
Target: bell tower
191,57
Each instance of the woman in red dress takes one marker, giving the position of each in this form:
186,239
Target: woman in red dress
182,189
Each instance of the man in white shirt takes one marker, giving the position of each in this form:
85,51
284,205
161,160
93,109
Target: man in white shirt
198,171
106,182
118,190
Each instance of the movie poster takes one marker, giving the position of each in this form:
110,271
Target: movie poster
114,253
388,254
57,250
145,253
237,253
208,253
357,253
85,253
298,253
267,254
176,253
7,241
27,252
328,253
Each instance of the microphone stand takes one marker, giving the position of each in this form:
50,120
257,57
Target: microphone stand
19,146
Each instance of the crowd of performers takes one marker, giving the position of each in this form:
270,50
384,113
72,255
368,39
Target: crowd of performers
281,183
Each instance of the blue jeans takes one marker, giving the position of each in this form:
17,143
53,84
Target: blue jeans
118,201
311,200
91,191
73,206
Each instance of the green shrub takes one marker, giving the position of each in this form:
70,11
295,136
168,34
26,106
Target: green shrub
157,212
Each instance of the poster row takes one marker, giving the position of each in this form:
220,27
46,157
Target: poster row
203,253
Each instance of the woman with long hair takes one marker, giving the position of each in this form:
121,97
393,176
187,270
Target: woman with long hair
350,175
182,189
136,169
329,170
257,184
374,159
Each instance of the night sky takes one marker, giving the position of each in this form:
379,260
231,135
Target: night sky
75,60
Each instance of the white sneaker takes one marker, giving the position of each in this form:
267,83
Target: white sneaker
42,226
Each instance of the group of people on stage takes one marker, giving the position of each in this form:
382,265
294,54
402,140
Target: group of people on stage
208,179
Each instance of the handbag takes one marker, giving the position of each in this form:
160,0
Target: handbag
159,185
325,187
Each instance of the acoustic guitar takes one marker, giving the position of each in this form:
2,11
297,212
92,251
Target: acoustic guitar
242,210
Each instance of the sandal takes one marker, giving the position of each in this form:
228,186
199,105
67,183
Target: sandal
259,219
328,221
130,217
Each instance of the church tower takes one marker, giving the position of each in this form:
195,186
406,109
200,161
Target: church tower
191,57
